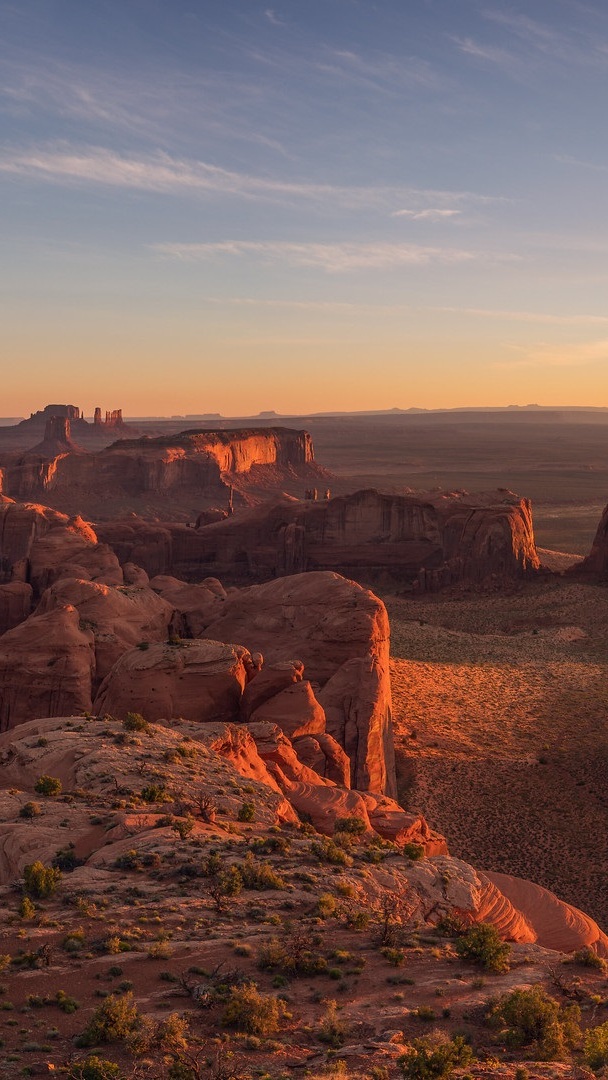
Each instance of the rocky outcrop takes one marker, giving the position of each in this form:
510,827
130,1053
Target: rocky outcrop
119,617
38,545
15,604
595,565
407,541
46,668
192,680
556,925
194,469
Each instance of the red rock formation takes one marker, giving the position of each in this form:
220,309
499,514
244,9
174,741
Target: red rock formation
556,925
46,668
15,604
421,543
326,622
194,680
199,467
595,565
120,618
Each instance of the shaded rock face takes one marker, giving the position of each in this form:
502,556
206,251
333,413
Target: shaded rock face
595,565
39,545
403,540
46,667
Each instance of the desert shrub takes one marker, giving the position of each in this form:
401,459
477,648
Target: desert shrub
66,859
39,880
259,875
482,945
94,1068
222,884
66,1003
326,905
295,954
30,810
112,1021
134,721
435,1057
255,1013
353,825
452,926
396,957
154,793
595,1046
326,850
183,826
589,958
27,909
413,851
332,1028
533,1018
48,785
246,812
278,845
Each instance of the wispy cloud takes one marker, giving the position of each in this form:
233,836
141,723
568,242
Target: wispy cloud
565,159
432,213
549,355
273,17
338,306
333,258
163,173
527,316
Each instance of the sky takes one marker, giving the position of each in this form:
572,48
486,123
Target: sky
220,206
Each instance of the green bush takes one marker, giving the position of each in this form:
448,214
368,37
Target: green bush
533,1018
589,958
48,785
40,881
259,875
94,1068
332,1029
596,1046
326,850
134,721
353,825
255,1013
413,851
435,1057
154,793
112,1021
246,812
30,810
482,945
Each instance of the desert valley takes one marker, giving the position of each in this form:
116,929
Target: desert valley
303,746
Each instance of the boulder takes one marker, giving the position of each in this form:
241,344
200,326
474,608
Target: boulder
198,605
295,710
270,680
46,668
323,754
191,680
120,617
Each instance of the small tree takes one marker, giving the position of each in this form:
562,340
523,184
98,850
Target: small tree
435,1057
48,785
482,945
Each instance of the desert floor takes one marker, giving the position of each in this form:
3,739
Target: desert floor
501,717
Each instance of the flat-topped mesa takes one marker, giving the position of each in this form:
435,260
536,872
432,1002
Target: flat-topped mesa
421,542
235,450
57,439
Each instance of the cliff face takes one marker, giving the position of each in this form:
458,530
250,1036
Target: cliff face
596,563
423,543
204,464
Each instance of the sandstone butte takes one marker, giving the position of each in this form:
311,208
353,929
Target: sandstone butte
208,468
286,684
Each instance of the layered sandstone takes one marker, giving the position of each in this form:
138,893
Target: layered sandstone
412,541
595,565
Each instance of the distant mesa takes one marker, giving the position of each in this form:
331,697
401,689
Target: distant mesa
75,416
57,439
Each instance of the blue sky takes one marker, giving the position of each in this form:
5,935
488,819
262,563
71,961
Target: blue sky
230,207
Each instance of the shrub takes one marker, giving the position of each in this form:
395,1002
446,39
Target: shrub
113,1020
326,850
589,958
435,1057
94,1068
326,905
30,810
353,825
66,859
396,957
255,1013
332,1029
413,851
246,812
296,954
482,945
259,875
40,881
154,793
596,1046
27,910
533,1018
134,721
48,785
221,884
